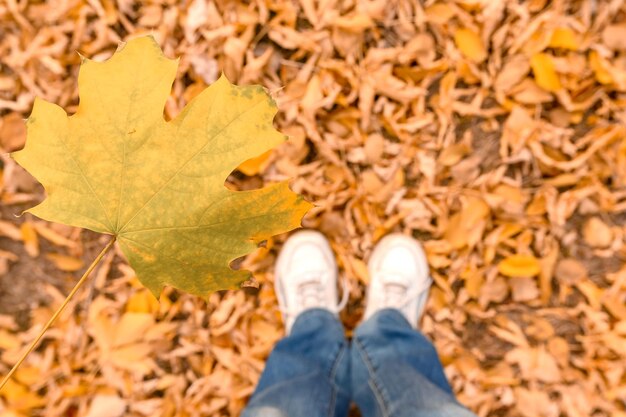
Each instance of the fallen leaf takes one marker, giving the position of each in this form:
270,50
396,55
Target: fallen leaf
600,68
106,406
439,13
20,398
255,165
470,44
374,147
453,154
539,328
118,167
545,74
523,288
10,230
570,271
519,266
371,184
613,36
529,92
52,236
597,233
466,227
356,23
564,38
615,305
535,363
513,72
131,328
559,349
8,341
592,292
360,270
64,262
534,403
142,302
548,265
493,291
31,241
12,132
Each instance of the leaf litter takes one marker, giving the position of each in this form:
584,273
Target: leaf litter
491,131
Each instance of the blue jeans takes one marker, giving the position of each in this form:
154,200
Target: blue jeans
390,370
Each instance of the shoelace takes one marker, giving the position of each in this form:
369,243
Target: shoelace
396,294
310,294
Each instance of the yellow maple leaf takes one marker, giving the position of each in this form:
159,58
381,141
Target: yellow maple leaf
117,167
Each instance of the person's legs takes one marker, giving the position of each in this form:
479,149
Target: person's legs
395,370
308,372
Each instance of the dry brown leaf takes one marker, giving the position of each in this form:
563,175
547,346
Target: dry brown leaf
515,70
466,227
53,236
439,13
535,403
12,132
453,154
569,271
374,147
597,233
613,36
9,230
523,288
106,406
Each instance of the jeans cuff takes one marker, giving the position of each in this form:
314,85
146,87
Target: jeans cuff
316,315
390,314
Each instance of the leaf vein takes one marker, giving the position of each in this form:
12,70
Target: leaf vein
209,140
82,173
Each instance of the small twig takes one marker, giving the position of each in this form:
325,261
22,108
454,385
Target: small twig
80,282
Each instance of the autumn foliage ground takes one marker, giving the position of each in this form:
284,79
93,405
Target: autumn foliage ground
493,131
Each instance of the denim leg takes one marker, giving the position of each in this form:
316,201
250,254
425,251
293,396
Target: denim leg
307,373
396,371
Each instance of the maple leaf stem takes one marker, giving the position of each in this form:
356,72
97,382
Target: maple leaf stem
50,322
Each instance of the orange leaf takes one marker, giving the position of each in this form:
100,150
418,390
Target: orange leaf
519,266
64,262
255,165
545,74
599,67
564,38
470,45
31,241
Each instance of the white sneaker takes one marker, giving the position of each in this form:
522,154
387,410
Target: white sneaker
399,277
306,276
